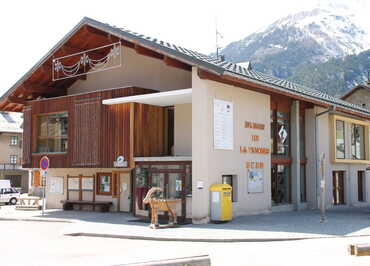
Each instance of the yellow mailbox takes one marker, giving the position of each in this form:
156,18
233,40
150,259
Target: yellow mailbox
221,203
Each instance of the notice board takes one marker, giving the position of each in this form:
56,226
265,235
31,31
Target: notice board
56,184
223,125
255,180
73,183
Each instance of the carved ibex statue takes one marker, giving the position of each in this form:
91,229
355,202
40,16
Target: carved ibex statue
160,205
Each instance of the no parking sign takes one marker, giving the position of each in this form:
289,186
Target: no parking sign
44,166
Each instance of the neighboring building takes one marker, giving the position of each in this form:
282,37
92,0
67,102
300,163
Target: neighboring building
358,95
11,150
162,115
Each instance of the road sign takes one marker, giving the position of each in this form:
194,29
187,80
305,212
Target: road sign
44,166
44,163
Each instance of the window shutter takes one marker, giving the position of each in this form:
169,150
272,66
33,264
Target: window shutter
87,130
36,179
27,136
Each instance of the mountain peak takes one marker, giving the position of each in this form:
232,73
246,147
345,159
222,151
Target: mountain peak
305,38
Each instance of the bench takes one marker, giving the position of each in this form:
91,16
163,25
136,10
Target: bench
28,203
359,249
104,205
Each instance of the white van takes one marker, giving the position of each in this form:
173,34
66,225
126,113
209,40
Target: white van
8,195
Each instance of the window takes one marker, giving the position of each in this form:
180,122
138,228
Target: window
233,182
52,133
302,146
303,183
15,180
357,142
280,133
361,185
339,141
8,190
13,159
104,186
13,140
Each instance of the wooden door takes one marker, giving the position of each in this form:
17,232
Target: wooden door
338,188
124,184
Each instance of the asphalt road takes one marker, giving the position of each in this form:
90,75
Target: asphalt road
42,243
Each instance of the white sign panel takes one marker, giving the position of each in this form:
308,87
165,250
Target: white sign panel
55,185
223,126
73,183
255,180
87,183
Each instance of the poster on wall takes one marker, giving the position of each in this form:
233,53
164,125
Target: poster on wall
223,126
87,183
255,180
55,185
73,183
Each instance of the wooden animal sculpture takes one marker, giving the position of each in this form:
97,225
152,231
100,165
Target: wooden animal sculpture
157,205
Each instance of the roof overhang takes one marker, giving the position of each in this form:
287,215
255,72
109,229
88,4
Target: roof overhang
353,90
167,98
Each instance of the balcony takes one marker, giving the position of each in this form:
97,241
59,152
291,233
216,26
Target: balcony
9,166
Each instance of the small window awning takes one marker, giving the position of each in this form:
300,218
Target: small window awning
166,98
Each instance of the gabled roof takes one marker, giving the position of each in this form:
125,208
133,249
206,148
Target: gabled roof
11,122
353,90
207,63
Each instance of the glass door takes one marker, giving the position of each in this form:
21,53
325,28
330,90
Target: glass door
175,190
170,178
280,185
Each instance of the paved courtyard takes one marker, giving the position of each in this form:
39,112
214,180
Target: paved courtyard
270,227
37,243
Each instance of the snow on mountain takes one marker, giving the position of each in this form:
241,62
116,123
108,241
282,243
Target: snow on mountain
335,32
312,36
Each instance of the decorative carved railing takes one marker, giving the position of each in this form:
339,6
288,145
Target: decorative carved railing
9,166
87,62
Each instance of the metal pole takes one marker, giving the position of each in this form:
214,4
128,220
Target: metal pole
323,189
43,192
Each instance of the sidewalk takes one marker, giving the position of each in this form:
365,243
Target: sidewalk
271,227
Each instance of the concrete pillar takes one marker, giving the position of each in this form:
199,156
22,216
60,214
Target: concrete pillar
296,156
201,143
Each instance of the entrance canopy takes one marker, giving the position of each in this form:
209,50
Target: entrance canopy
166,98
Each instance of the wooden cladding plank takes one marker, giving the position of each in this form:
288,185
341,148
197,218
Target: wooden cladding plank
27,136
87,130
149,130
96,146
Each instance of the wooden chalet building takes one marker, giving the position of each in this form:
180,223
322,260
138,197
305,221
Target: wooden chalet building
118,112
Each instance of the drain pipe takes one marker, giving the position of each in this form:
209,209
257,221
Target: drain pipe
322,219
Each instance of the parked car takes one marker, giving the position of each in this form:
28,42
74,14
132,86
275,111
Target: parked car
9,195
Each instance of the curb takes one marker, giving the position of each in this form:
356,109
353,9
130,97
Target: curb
36,220
201,260
213,240
210,240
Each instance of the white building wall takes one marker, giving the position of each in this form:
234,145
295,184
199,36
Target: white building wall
136,70
182,134
209,164
324,144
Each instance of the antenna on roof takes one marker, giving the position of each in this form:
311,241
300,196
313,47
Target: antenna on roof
218,48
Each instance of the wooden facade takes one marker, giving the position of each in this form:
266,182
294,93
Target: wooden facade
97,133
